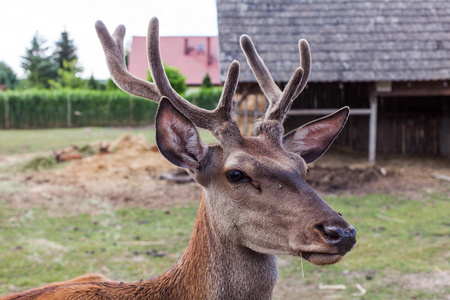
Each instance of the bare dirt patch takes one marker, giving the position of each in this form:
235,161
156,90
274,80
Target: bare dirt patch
348,173
130,175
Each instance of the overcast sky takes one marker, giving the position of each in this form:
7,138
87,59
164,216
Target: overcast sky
21,19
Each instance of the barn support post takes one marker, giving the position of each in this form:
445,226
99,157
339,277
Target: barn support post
373,127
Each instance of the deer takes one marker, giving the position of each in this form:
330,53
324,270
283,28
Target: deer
255,202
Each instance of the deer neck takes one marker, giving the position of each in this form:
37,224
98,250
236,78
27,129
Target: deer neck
214,268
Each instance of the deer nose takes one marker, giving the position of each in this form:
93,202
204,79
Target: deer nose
343,238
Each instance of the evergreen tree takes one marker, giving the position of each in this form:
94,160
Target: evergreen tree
67,76
65,50
8,78
206,83
38,66
93,84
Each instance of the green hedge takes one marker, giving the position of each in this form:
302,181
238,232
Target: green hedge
48,109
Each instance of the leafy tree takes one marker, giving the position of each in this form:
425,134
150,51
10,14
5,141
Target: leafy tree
176,79
67,76
65,51
206,83
8,78
38,66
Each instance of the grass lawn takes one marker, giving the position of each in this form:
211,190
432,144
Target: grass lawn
396,238
26,141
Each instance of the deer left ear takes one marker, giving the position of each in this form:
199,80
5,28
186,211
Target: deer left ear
314,138
177,138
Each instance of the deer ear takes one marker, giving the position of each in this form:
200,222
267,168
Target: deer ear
177,138
314,138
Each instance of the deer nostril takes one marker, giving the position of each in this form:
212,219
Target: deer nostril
328,232
332,233
336,233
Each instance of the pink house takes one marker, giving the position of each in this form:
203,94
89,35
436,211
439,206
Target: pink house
193,56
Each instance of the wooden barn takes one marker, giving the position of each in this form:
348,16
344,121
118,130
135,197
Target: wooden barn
388,60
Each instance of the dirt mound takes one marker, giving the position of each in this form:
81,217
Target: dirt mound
127,175
130,155
332,179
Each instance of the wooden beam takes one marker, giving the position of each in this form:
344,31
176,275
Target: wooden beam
326,111
373,127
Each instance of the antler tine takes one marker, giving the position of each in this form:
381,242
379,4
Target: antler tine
210,120
262,74
279,102
155,62
280,109
115,58
229,88
305,63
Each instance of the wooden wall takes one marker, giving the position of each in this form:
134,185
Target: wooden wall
407,124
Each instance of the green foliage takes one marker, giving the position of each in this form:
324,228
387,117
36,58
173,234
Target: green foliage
65,52
176,79
7,76
206,83
67,76
206,98
48,109
39,67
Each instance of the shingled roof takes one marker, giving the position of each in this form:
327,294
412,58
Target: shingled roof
351,40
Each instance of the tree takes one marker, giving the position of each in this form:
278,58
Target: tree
176,79
38,66
65,51
94,84
67,76
206,83
8,78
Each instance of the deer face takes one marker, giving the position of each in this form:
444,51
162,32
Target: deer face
255,189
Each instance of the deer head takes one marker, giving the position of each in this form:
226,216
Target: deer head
255,190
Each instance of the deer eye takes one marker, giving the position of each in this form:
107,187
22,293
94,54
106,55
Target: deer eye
235,175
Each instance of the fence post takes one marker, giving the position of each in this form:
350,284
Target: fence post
69,112
7,113
131,112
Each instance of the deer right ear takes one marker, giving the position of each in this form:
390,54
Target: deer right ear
314,138
177,138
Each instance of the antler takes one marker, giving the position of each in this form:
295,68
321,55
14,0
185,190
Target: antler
279,101
212,120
